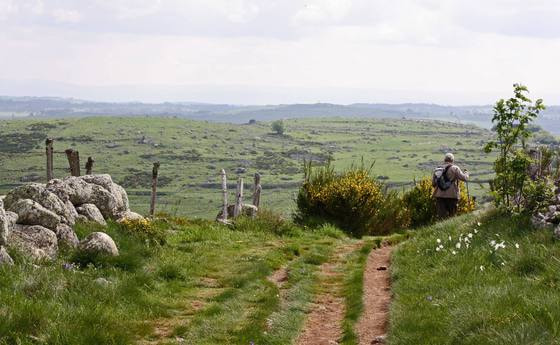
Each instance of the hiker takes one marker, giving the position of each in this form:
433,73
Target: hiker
446,182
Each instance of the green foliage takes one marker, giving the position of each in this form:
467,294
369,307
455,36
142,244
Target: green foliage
352,200
266,221
420,203
511,119
278,127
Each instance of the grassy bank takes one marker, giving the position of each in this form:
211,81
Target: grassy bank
499,286
207,285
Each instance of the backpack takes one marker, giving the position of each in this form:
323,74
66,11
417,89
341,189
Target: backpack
442,181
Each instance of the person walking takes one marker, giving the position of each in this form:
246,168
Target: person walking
446,182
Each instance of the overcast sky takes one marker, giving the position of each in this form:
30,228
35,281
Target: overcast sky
281,51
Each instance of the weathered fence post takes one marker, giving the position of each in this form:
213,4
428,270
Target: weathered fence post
257,190
239,198
49,151
154,188
224,197
74,161
89,165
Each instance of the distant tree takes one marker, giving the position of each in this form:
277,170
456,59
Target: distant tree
252,121
278,127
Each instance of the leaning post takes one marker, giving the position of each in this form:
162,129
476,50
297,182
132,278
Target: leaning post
257,190
154,188
89,165
239,198
74,161
49,152
224,197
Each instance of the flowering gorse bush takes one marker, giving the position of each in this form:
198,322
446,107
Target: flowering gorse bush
149,230
353,200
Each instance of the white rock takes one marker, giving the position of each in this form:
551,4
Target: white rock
99,243
92,213
35,241
32,213
5,258
4,225
129,215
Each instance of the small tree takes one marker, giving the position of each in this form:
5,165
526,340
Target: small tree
278,127
511,119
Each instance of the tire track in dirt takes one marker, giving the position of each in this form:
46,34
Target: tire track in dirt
323,325
372,326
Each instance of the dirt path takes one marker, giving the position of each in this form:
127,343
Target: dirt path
372,326
323,324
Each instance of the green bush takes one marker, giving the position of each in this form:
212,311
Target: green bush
353,200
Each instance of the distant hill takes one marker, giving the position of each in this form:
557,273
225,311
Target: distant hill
68,107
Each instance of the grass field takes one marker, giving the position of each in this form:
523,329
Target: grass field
192,153
480,294
207,285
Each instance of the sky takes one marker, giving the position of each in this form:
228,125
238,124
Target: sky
456,52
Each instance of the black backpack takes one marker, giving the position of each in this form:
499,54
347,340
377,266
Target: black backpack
443,182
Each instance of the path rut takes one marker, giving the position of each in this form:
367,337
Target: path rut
372,326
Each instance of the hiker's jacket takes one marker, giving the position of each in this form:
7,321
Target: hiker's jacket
453,174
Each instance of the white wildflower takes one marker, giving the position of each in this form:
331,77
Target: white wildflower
453,252
438,240
458,245
492,243
438,249
481,268
499,245
478,223
475,231
467,246
517,245
470,235
449,238
503,263
441,246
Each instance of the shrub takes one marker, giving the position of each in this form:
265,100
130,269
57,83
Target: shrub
151,232
278,127
266,221
353,200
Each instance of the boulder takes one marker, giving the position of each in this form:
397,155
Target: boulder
34,241
129,215
32,213
66,236
5,258
4,225
99,243
121,203
91,213
12,219
246,210
39,193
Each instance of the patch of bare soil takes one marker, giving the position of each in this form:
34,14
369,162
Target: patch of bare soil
372,326
323,324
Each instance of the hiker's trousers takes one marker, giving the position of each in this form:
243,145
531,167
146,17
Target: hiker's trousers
446,207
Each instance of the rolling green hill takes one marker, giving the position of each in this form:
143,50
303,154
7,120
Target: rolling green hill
193,152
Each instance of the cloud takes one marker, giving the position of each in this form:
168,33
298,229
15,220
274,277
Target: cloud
66,16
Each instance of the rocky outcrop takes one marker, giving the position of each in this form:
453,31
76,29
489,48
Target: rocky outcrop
39,193
99,243
36,218
34,241
91,213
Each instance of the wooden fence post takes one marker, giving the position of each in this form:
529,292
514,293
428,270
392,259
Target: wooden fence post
257,190
89,165
154,188
49,151
239,198
224,197
74,161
